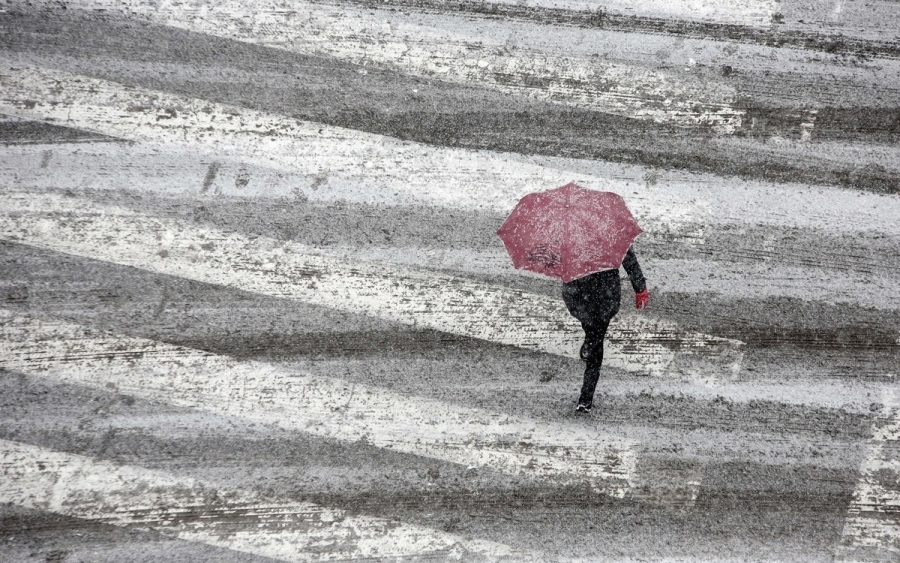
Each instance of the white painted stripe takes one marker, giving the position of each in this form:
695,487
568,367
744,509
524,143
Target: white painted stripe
873,521
321,406
357,166
366,37
157,169
323,163
732,280
240,520
421,299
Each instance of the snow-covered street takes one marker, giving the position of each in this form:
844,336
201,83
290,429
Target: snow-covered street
253,306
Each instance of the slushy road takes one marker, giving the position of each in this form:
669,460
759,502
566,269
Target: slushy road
252,306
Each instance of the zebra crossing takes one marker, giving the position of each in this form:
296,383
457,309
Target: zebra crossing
328,408
354,35
282,530
706,430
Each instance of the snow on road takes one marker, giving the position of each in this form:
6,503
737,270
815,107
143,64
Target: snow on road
360,37
189,147
281,269
391,171
321,406
180,171
240,520
872,529
700,366
327,163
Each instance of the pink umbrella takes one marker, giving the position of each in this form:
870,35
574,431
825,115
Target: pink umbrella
569,232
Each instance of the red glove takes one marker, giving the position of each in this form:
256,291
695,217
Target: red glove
642,299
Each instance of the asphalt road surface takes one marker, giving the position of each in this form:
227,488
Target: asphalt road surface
253,307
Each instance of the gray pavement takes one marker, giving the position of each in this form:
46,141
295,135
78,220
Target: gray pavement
793,456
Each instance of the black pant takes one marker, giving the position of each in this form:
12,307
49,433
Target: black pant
592,354
594,301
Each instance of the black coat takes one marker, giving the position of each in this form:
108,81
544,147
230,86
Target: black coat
596,297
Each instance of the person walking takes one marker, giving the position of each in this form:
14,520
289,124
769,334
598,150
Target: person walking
579,236
594,300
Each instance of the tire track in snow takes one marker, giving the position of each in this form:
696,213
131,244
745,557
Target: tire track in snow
108,296
829,163
395,171
744,12
838,247
791,23
240,520
16,131
629,90
863,29
321,406
391,170
279,269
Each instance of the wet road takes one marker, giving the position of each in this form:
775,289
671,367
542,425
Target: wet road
252,306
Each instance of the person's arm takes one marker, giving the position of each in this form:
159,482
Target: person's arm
633,269
641,295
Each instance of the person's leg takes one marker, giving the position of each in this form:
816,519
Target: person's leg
592,354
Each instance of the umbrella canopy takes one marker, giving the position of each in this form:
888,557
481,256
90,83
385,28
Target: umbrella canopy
569,232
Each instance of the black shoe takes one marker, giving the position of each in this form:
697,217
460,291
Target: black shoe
583,407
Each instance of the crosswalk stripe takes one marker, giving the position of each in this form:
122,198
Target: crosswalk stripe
384,39
421,299
701,368
160,171
239,520
870,524
873,521
326,163
357,165
317,405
